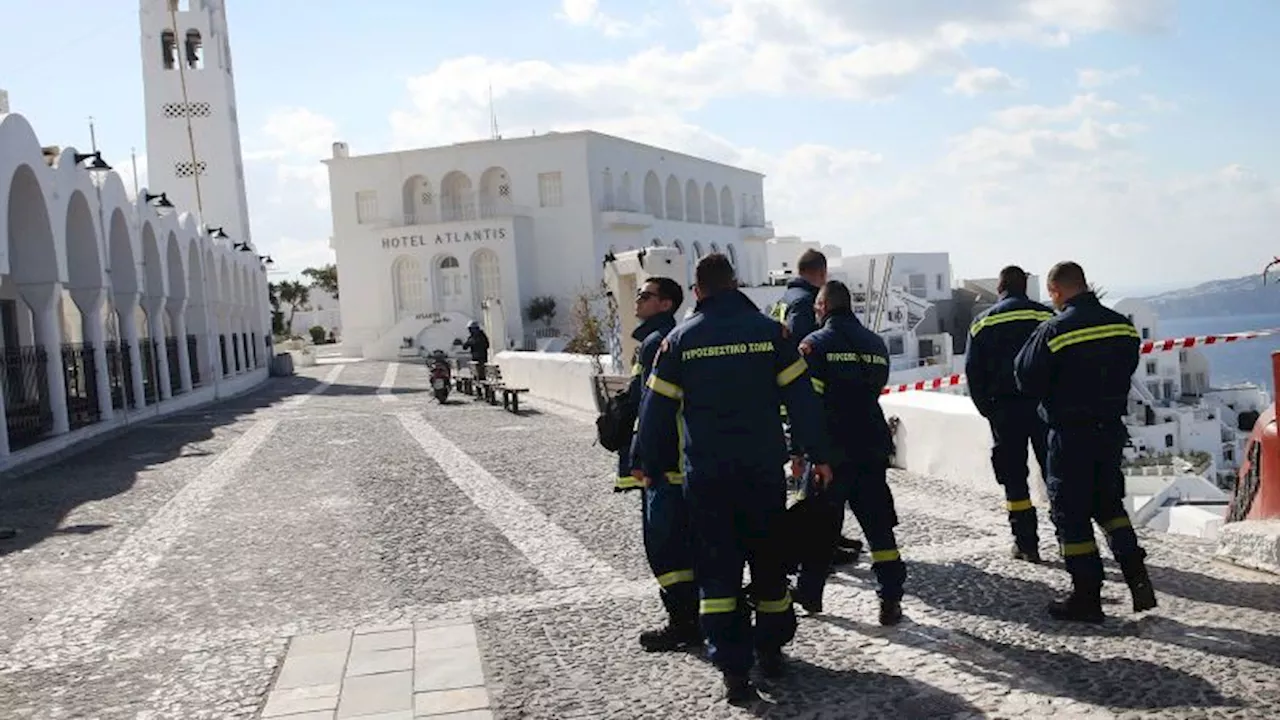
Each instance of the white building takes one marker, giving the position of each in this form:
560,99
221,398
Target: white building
1173,410
923,275
112,310
193,136
428,239
781,254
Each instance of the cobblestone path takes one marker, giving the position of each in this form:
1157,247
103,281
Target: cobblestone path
321,548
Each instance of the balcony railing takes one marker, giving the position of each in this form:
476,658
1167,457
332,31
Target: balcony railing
754,220
462,212
175,367
120,375
193,356
150,370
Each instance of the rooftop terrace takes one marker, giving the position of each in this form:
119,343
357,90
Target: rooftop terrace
338,544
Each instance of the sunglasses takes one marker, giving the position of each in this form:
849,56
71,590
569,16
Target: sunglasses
645,295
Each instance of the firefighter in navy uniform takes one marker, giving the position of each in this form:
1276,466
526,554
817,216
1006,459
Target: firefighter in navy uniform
1079,365
712,406
665,519
849,367
995,338
795,310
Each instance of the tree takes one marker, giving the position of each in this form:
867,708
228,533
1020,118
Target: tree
277,317
542,308
294,294
594,318
324,277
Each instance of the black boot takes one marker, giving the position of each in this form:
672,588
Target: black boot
1028,552
1078,607
890,612
771,663
738,690
850,544
675,636
1135,574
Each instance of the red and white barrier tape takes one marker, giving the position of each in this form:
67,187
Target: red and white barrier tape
1148,347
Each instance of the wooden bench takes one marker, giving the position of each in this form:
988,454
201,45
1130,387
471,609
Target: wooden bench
511,398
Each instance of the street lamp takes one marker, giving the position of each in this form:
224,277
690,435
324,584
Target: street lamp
162,197
98,163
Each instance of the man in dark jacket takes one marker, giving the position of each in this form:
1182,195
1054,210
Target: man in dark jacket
1080,366
712,408
995,338
668,541
478,344
796,311
849,366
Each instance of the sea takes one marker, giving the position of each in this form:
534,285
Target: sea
1241,361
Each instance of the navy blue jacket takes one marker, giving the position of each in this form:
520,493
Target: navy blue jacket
712,405
849,367
995,338
795,309
1080,363
650,334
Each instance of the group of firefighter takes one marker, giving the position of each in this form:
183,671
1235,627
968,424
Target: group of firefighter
709,449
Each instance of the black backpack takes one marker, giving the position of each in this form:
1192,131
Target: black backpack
614,426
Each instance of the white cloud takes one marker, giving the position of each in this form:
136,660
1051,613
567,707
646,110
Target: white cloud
983,80
1089,78
1034,184
587,13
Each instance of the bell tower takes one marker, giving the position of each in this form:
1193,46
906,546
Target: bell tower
193,136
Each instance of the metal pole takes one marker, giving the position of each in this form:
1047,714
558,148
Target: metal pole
133,157
93,138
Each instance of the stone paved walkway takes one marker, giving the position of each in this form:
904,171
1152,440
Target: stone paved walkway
339,545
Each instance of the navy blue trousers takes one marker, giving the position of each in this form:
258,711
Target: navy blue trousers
735,518
668,544
1086,485
1014,424
864,485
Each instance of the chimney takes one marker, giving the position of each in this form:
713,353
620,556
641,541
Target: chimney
4,102
340,150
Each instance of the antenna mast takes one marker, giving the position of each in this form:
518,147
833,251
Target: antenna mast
493,117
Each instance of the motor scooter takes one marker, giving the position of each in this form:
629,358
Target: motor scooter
441,375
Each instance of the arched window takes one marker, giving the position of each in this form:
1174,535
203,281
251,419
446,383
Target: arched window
486,278
1168,441
194,50
168,50
406,278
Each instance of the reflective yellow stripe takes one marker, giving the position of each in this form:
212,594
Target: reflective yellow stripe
716,606
775,606
636,369
1089,334
819,386
675,576
1081,548
795,370
675,478
1038,316
662,387
1019,505
885,555
1117,523
628,482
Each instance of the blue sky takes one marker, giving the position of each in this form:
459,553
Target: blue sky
921,125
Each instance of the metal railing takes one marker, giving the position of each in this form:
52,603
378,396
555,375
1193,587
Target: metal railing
26,398
174,363
222,350
193,359
79,370
120,375
150,371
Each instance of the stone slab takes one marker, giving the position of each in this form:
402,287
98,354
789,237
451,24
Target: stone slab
379,661
289,702
370,694
447,702
1251,543
447,668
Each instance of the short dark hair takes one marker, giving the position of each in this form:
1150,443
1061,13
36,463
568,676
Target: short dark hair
811,260
715,274
668,289
1013,279
1068,276
836,295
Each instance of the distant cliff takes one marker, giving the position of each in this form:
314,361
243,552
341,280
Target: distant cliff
1238,296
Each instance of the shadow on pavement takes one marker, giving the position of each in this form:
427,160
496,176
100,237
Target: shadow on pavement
36,498
810,690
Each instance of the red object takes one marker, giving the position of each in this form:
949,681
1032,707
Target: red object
1257,495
